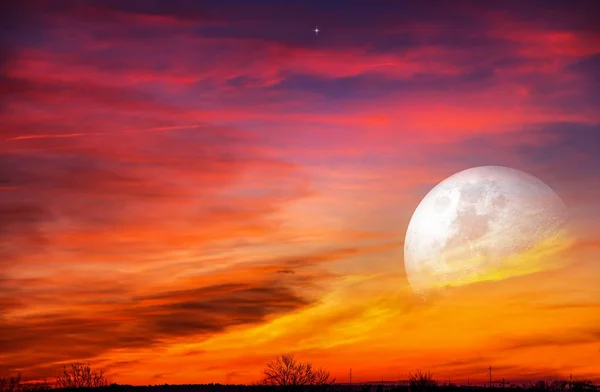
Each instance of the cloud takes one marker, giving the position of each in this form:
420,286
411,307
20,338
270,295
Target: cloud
545,149
286,77
111,187
139,323
566,338
587,70
86,323
97,172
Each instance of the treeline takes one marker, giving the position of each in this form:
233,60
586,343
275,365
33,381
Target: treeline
284,374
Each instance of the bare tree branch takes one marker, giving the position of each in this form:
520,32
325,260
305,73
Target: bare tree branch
286,371
15,384
421,380
80,375
11,384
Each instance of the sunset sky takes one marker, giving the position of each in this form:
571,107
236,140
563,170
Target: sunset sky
191,188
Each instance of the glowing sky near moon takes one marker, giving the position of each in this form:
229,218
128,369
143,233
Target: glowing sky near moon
188,187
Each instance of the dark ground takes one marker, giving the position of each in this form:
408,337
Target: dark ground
537,387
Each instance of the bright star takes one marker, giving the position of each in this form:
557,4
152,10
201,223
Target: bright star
317,30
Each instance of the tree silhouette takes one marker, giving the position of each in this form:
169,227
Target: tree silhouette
420,380
80,375
14,384
286,371
10,384
39,386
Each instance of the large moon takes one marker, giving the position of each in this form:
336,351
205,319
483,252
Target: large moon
481,224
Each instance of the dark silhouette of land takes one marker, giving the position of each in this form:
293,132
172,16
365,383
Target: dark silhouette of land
557,386
535,387
283,374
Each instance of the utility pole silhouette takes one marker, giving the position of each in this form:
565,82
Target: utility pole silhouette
350,376
490,376
570,380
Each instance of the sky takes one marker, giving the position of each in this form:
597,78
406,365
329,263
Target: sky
190,188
